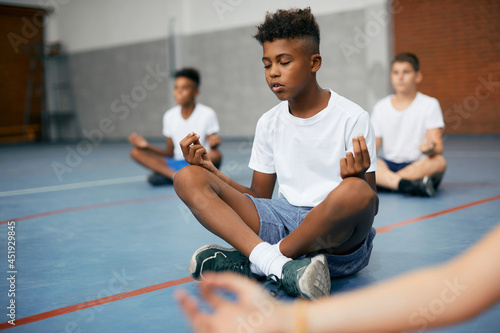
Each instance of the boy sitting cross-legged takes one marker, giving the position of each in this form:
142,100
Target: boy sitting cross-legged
179,120
409,127
320,147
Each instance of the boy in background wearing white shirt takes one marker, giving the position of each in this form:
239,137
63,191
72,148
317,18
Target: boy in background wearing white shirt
409,126
319,147
178,121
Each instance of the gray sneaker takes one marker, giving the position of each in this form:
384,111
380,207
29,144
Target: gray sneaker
307,278
215,258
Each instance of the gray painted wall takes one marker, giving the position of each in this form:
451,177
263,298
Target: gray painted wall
116,94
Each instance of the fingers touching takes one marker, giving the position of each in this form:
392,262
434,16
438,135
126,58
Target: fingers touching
137,140
193,151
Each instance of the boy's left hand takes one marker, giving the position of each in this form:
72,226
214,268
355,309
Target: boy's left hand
213,140
428,147
357,164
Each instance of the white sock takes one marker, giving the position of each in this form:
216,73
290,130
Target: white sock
267,259
254,269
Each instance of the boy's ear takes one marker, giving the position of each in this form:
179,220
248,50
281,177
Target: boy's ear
419,77
315,62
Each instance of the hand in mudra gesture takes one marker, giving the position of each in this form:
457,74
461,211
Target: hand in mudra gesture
355,165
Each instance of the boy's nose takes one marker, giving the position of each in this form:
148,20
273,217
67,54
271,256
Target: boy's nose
274,72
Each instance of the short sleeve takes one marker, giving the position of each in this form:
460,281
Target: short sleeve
364,126
167,131
434,117
262,157
212,123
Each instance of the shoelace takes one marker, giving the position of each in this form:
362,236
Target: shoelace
287,284
234,265
273,280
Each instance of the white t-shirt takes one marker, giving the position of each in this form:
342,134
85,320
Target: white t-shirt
203,121
305,153
403,131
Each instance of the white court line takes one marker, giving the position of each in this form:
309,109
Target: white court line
73,186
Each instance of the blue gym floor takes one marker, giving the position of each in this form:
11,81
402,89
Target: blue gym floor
99,250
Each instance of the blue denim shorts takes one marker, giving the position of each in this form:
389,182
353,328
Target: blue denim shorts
278,218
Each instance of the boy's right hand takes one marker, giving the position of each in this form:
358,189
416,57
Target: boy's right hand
228,315
194,153
138,141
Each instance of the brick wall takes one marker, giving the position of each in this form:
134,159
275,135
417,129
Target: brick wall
458,44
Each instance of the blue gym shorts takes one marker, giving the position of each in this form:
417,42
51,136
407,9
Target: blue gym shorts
278,218
395,167
176,164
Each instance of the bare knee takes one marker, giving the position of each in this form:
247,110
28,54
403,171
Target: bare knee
358,192
187,179
440,163
136,153
364,202
183,177
353,204
196,188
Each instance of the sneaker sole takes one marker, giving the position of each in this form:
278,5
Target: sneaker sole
194,261
315,282
429,186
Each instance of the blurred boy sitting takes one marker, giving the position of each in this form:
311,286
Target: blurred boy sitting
178,121
409,125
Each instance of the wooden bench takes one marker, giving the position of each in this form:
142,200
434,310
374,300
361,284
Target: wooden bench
19,133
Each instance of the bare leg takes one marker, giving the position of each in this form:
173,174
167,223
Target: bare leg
385,177
339,224
428,166
152,161
232,216
219,207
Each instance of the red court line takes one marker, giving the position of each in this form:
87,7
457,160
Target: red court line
89,304
84,305
388,228
101,205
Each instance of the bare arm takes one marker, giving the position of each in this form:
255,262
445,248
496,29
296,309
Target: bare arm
213,140
194,153
141,143
433,143
431,297
168,151
262,184
426,298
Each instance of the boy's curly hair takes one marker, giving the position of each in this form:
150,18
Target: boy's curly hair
190,73
290,24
